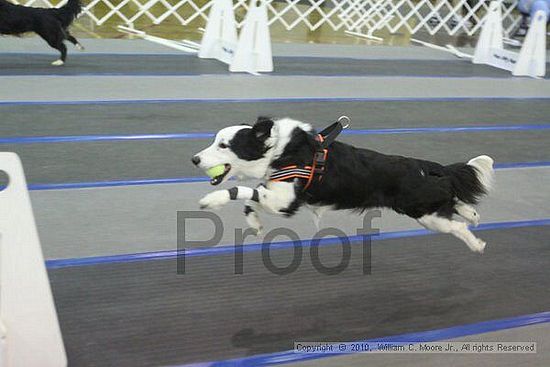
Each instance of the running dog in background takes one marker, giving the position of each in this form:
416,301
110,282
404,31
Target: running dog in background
299,170
50,24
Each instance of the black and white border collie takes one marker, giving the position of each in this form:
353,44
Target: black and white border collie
50,24
354,178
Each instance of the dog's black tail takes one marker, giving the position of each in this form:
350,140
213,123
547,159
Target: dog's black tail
68,12
472,180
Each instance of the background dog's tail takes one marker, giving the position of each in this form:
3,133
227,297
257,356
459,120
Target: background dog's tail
472,180
68,12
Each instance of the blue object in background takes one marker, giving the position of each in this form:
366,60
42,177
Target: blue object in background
530,7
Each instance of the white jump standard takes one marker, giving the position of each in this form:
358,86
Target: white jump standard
530,61
30,330
248,53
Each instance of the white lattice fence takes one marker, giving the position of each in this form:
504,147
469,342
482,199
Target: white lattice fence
441,16
364,16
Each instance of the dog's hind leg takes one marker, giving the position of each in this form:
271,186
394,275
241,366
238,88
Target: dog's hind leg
467,212
54,35
458,229
61,61
73,40
317,212
63,49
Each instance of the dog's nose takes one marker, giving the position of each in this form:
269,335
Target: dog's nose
196,160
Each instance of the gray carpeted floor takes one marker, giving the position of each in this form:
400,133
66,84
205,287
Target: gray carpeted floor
75,162
143,118
239,86
144,313
95,64
132,219
122,160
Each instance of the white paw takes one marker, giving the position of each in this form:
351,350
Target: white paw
258,232
215,200
79,47
58,63
479,246
254,222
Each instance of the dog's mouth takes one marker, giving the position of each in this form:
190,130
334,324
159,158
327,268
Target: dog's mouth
219,179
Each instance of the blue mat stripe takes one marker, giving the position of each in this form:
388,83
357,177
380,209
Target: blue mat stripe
274,100
208,135
183,180
402,339
254,247
114,183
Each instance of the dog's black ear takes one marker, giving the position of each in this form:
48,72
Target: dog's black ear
262,128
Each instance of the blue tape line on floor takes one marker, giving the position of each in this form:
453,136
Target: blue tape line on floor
229,249
402,339
182,180
208,135
95,138
115,183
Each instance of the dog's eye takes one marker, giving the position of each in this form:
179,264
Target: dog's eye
223,145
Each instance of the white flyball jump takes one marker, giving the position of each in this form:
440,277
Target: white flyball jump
220,36
30,333
254,49
250,52
531,59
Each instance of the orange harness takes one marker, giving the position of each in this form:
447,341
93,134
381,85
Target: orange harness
317,168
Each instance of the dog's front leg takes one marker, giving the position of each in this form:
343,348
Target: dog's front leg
275,198
251,196
219,198
252,217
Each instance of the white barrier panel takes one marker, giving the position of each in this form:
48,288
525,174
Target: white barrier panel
253,53
490,37
220,37
530,61
32,337
532,57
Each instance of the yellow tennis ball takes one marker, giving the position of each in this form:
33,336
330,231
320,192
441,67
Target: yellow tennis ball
216,171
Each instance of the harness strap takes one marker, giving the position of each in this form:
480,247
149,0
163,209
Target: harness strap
323,140
329,134
290,172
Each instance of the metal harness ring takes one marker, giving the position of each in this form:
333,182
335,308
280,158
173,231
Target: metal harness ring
344,118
